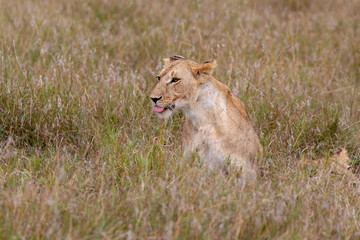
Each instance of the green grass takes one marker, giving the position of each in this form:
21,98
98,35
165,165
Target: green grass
82,156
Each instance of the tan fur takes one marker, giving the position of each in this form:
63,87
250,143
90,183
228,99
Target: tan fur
216,122
337,163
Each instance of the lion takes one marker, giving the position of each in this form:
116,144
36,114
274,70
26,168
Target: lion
337,163
216,125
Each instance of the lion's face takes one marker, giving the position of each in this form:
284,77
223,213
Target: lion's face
175,88
177,84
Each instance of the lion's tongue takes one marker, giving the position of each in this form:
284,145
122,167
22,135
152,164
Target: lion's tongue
158,109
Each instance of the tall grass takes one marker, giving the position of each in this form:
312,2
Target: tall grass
83,157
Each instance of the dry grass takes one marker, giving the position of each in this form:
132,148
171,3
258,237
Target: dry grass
83,157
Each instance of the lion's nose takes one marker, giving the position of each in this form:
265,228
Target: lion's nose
155,99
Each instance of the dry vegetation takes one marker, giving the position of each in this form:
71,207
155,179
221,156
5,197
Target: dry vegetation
82,156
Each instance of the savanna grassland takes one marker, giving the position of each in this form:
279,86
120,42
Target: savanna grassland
82,156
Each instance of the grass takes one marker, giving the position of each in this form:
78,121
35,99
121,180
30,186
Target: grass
82,156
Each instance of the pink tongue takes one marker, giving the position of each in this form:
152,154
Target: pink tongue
158,109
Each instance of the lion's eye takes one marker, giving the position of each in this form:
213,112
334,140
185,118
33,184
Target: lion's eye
175,80
158,78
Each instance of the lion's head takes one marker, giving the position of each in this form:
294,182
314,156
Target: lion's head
177,84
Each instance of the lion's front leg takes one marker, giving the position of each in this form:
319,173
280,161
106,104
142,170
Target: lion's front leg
188,139
187,151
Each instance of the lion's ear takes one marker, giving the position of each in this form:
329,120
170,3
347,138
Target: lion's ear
169,60
208,67
204,68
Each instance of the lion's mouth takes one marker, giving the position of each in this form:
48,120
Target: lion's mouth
158,109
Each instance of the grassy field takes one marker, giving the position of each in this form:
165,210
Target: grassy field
82,156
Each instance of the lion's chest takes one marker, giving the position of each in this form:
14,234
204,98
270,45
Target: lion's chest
208,142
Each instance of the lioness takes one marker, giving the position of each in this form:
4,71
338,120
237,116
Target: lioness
216,122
